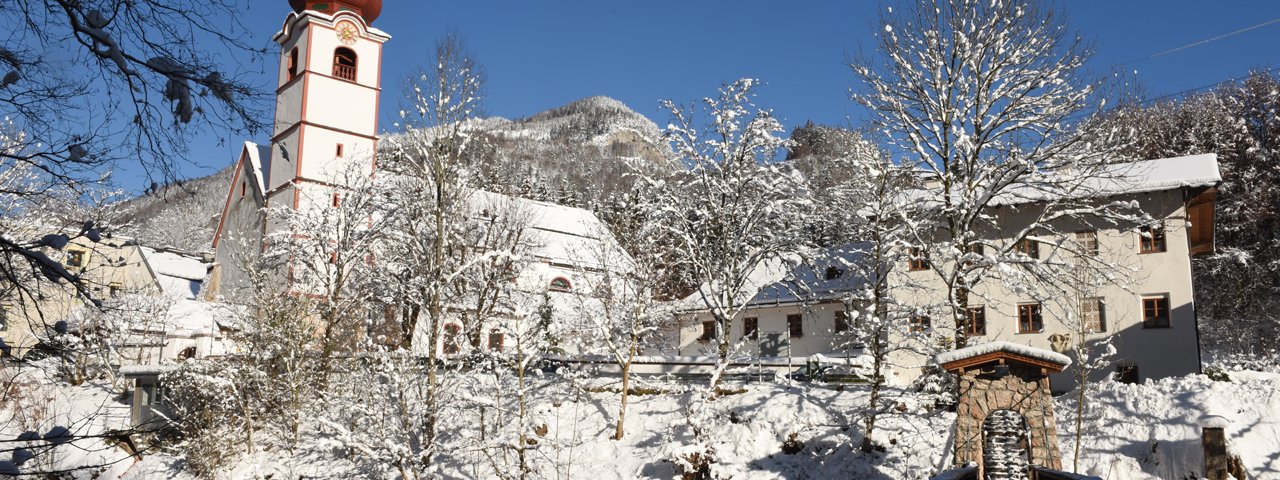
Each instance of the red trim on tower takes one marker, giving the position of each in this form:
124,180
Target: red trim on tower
299,124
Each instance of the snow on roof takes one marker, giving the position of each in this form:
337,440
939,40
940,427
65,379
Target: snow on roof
1214,421
257,155
1141,176
178,274
808,280
1002,346
562,234
797,278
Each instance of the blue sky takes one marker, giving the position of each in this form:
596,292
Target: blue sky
542,54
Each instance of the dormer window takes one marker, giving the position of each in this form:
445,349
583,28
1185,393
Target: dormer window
344,64
560,284
293,63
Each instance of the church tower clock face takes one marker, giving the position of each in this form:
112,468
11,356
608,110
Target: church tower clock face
347,33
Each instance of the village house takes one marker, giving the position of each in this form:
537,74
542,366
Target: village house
1150,319
155,289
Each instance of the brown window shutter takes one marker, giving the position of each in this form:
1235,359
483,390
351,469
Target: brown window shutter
1200,212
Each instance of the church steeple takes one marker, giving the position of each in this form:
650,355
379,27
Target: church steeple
326,127
369,9
327,98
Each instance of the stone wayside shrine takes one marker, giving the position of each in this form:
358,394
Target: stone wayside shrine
1004,418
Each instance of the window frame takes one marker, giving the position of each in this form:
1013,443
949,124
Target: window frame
980,319
1154,322
554,284
1029,247
1152,239
1029,315
500,344
1088,241
917,259
841,323
451,341
795,325
1087,324
81,258
340,71
708,331
919,324
751,327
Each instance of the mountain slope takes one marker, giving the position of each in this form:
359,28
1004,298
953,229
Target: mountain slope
577,154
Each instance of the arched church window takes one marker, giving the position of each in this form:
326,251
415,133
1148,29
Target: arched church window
561,284
344,64
293,63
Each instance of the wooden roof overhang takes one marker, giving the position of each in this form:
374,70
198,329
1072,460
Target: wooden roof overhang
1002,358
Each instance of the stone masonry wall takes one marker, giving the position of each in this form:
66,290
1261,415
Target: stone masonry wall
1024,391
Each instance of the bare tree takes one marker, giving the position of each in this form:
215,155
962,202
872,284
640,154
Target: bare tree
133,80
734,209
982,96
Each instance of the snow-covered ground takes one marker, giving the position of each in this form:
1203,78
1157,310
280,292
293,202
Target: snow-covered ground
1151,430
1146,431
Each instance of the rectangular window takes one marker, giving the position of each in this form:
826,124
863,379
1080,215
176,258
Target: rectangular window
977,322
1127,373
495,341
242,188
337,199
751,327
75,258
971,250
920,324
1029,319
917,259
115,290
834,273
1151,239
1155,311
4,318
452,339
842,321
1093,314
1088,242
708,331
339,153
795,324
1029,247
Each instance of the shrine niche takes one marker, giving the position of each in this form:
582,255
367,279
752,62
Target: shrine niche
1004,416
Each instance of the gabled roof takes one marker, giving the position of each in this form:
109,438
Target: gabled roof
259,158
798,279
177,273
560,234
982,354
1142,176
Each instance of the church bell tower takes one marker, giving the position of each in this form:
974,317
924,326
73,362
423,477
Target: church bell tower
326,101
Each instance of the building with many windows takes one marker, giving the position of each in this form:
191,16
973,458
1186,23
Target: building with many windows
1146,310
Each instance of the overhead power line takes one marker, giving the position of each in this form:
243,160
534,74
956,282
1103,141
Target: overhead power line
1214,39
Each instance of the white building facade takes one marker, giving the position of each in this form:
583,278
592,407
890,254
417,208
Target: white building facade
1147,312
